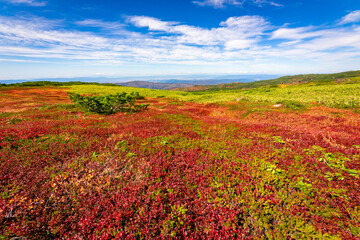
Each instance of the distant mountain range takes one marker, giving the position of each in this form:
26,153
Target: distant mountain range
154,85
202,84
77,79
175,83
158,82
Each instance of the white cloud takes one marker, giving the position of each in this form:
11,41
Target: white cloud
316,40
245,28
352,17
101,24
249,25
295,33
340,38
18,60
242,39
218,3
222,3
178,43
289,43
239,44
33,3
261,2
153,24
37,32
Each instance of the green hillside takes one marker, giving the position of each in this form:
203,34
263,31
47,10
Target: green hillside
342,95
350,77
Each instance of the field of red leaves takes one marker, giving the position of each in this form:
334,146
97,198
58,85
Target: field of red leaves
176,170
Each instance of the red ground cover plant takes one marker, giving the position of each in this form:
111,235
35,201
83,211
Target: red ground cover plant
183,171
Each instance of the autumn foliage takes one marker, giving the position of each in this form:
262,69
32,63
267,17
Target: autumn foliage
179,171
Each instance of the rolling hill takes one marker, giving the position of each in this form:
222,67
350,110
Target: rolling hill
350,76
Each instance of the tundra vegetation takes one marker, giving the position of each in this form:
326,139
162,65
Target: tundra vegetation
273,162
109,104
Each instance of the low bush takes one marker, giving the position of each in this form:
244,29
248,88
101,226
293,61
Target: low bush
109,104
292,104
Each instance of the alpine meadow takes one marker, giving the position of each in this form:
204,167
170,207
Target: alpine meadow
253,132
220,164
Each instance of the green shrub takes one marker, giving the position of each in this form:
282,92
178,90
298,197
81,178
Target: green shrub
109,104
292,104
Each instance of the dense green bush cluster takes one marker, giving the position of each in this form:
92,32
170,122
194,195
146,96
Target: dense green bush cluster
292,104
109,104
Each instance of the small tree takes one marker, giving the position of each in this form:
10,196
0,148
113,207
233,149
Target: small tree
109,104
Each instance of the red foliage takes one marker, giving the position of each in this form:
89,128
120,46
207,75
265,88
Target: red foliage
183,171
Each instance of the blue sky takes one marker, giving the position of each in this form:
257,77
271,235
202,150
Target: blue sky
80,38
